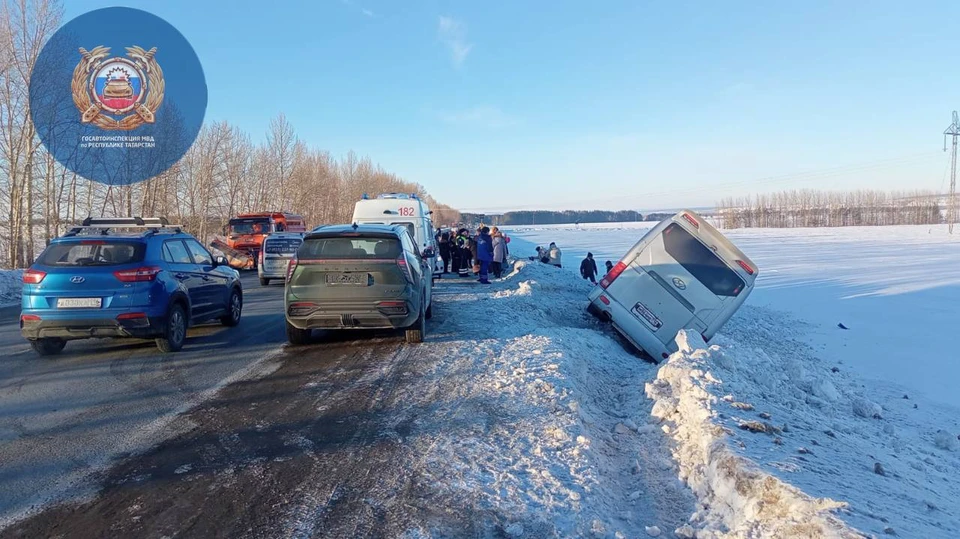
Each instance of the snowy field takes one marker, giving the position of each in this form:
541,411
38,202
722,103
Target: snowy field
867,417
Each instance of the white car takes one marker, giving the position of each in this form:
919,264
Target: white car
683,274
278,249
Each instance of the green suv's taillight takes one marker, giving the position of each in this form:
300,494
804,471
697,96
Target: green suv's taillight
301,308
392,307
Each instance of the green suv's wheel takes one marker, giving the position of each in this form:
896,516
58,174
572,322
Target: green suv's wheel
415,332
264,282
174,331
234,308
48,346
297,336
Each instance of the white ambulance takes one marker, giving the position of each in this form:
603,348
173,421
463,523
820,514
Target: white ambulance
402,209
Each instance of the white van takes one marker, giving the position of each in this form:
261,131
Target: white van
683,274
278,249
402,209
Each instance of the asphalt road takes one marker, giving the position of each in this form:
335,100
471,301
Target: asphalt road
312,446
70,416
315,449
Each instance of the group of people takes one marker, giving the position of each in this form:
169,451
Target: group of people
484,252
549,255
588,266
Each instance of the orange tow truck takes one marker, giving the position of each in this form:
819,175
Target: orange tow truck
245,233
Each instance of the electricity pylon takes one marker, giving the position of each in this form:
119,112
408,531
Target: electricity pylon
954,131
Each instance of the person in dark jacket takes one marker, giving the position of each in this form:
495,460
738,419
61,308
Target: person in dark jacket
609,266
444,245
484,253
588,268
473,251
463,248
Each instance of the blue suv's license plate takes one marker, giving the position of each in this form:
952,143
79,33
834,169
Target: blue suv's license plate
78,303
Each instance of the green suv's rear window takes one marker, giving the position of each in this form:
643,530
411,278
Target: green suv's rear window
350,247
92,253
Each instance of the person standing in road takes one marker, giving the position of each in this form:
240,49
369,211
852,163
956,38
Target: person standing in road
499,253
588,268
444,245
609,266
455,262
484,245
473,251
463,247
553,255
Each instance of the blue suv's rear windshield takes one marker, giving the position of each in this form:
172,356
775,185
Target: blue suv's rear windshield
92,253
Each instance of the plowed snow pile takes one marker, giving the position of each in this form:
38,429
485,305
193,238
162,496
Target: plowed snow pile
777,443
738,498
536,417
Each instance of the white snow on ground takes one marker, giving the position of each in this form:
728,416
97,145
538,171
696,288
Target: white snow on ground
10,285
872,413
540,414
738,498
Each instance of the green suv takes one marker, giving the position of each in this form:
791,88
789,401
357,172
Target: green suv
358,277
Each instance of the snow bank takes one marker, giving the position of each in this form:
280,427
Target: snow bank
549,421
10,286
769,434
738,498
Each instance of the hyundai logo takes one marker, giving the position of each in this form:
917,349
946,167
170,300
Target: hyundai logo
678,282
76,279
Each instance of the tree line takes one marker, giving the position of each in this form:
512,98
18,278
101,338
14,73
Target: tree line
813,208
224,173
546,217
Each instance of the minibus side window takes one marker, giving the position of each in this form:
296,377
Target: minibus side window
701,262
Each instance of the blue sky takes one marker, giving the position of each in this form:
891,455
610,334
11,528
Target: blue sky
613,105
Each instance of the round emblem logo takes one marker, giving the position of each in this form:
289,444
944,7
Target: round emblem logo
102,104
678,282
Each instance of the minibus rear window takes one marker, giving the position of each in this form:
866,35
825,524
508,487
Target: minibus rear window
282,246
701,262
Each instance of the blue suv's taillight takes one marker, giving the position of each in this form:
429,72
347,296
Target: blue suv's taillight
144,273
33,276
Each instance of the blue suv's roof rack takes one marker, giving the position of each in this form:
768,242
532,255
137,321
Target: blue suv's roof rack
103,225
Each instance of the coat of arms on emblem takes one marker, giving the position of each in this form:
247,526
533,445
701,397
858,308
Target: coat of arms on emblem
117,93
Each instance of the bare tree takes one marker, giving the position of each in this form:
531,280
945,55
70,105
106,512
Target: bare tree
808,208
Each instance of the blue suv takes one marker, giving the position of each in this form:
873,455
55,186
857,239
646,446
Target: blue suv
135,277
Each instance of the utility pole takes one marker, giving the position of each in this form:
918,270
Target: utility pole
954,131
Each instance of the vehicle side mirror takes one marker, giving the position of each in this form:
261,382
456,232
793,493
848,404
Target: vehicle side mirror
219,261
428,252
